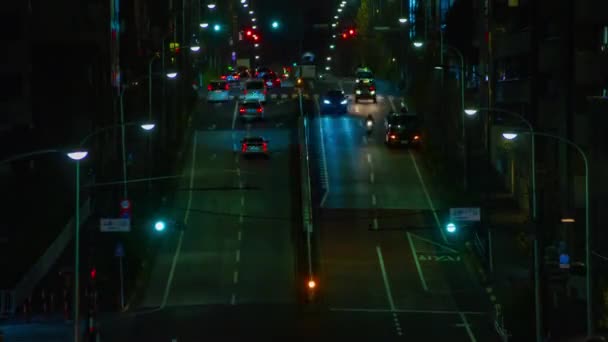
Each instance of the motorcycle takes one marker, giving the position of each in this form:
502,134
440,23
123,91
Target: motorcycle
369,126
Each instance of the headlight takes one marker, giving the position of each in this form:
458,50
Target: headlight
357,80
343,102
372,92
326,102
358,92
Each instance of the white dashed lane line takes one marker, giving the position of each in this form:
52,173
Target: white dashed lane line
237,256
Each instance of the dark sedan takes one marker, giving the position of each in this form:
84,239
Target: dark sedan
335,101
402,129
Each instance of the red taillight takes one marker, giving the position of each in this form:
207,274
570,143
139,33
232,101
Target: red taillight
209,87
223,77
372,88
242,110
278,80
265,146
245,91
260,110
236,77
264,91
227,87
393,136
416,137
244,147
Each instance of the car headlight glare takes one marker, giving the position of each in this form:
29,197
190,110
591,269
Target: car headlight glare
343,102
358,92
326,102
372,92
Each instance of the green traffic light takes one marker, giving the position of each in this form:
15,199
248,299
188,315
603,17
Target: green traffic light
275,24
159,226
450,227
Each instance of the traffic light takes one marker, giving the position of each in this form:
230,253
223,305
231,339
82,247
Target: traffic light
450,228
275,25
160,225
248,33
344,35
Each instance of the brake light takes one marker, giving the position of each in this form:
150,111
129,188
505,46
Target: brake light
244,147
278,80
265,146
236,77
372,88
242,110
264,90
260,109
245,91
393,136
227,87
416,137
223,77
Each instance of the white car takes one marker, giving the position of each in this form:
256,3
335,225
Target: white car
254,90
218,91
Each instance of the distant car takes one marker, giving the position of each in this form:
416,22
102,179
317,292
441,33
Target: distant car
218,91
233,77
262,71
254,146
255,90
335,101
271,80
402,129
364,75
244,75
251,110
365,91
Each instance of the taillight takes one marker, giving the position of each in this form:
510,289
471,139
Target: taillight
227,87
372,88
244,147
393,136
209,87
242,110
278,80
245,91
260,109
264,91
265,146
236,77
223,77
416,137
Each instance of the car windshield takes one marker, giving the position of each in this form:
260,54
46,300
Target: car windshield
217,85
365,74
405,121
250,105
334,93
255,85
253,140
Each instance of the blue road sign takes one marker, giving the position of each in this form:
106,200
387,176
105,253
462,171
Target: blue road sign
119,251
564,260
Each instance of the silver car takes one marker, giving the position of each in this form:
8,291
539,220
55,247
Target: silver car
254,146
218,91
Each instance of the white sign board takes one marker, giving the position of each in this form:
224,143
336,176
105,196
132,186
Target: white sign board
108,225
465,214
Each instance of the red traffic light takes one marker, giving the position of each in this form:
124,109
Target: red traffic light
351,32
93,273
344,35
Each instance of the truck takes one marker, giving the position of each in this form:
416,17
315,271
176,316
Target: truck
306,71
243,62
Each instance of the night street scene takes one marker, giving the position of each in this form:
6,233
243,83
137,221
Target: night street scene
304,170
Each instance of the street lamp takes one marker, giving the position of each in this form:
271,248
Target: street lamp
418,44
251,12
211,5
216,27
275,24
587,220
402,20
147,126
204,25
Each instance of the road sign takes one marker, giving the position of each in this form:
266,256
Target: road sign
125,209
465,214
439,258
109,225
564,261
119,251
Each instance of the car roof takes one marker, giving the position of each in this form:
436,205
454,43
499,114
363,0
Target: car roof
335,91
247,102
254,138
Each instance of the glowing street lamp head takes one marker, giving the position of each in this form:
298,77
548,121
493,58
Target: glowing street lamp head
195,48
204,25
216,27
312,284
450,227
418,44
148,126
172,74
211,5
275,24
470,111
78,154
509,135
159,226
403,20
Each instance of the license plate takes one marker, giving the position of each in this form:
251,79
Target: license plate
404,142
254,149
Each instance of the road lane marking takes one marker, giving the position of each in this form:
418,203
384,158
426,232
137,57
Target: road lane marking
414,311
241,185
369,158
235,276
387,286
364,140
238,255
374,200
375,223
242,200
233,299
238,171
181,234
240,235
236,158
390,100
447,248
428,197
415,256
236,107
324,171
371,177
467,327
241,218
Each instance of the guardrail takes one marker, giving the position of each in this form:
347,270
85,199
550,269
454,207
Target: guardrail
306,193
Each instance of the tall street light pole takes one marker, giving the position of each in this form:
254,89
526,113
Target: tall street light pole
537,301
588,286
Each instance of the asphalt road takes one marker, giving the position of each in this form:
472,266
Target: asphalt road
386,269
235,259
